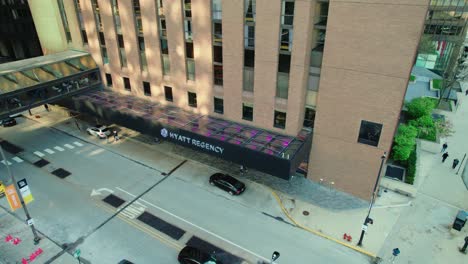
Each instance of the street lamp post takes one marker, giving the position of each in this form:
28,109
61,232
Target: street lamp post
28,217
274,256
369,220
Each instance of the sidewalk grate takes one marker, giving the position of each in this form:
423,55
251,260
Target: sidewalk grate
161,225
61,173
41,163
220,254
113,200
8,147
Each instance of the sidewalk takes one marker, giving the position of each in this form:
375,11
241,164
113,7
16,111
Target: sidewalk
17,244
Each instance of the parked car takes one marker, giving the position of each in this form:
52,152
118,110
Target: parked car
228,183
99,131
8,122
192,255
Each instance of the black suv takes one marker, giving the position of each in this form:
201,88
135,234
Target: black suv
227,183
191,255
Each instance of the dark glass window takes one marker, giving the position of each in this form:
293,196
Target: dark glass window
280,119
218,54
288,13
284,63
192,99
218,32
309,117
218,74
189,49
218,105
247,112
164,47
188,8
109,80
141,42
369,133
127,84
101,39
168,93
147,88
121,41
84,36
249,58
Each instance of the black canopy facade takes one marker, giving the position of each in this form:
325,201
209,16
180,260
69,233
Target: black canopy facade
269,152
32,82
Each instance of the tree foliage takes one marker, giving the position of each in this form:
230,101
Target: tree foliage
426,127
421,106
404,142
444,128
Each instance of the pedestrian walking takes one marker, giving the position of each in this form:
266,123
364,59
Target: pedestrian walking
116,136
444,147
455,163
466,92
444,156
46,107
243,169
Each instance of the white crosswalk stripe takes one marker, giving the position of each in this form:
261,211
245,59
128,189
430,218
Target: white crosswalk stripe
39,154
78,144
49,151
17,159
69,146
133,211
59,148
7,162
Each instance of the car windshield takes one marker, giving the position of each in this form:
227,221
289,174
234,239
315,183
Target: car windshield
105,129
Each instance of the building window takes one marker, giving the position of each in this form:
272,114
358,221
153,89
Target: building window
138,23
188,8
309,117
189,49
249,10
217,33
141,46
218,105
248,80
102,40
123,55
97,14
164,47
166,65
247,112
279,119
218,54
249,36
284,63
190,70
147,88
115,14
249,58
162,26
63,15
282,86
109,80
192,99
369,133
188,30
216,9
168,93
287,12
286,39
105,57
218,74
84,36
127,85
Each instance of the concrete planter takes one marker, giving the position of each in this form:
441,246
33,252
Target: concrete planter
429,146
398,186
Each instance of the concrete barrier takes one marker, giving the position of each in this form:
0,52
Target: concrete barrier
398,186
429,146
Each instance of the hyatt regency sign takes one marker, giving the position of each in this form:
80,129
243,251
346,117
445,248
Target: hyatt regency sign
165,133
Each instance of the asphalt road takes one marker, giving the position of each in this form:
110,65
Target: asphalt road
72,208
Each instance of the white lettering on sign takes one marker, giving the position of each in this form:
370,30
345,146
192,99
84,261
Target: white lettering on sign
195,142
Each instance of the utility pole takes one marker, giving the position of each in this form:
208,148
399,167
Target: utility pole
369,220
28,217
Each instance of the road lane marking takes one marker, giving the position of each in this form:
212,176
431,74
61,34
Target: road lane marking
78,144
39,154
69,146
59,148
196,226
133,211
17,159
49,151
7,162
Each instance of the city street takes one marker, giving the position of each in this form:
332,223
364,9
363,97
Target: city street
172,191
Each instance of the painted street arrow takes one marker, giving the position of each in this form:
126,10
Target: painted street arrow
99,191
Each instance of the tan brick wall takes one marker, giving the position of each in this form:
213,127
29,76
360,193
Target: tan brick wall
369,52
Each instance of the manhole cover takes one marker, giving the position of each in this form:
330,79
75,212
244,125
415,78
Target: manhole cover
113,200
61,173
305,213
41,163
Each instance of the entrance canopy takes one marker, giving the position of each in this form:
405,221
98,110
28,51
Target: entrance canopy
29,83
267,151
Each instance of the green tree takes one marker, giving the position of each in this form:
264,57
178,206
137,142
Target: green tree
421,106
444,128
404,142
426,127
426,45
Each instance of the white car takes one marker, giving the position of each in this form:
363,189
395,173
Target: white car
99,131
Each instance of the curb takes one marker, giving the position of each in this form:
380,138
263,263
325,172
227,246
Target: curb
317,232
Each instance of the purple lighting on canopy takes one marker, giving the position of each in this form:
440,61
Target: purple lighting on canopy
269,137
285,143
208,134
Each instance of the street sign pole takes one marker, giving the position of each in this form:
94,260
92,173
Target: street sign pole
28,217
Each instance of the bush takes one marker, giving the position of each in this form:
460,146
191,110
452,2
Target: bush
426,127
437,84
412,78
421,106
404,142
411,167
